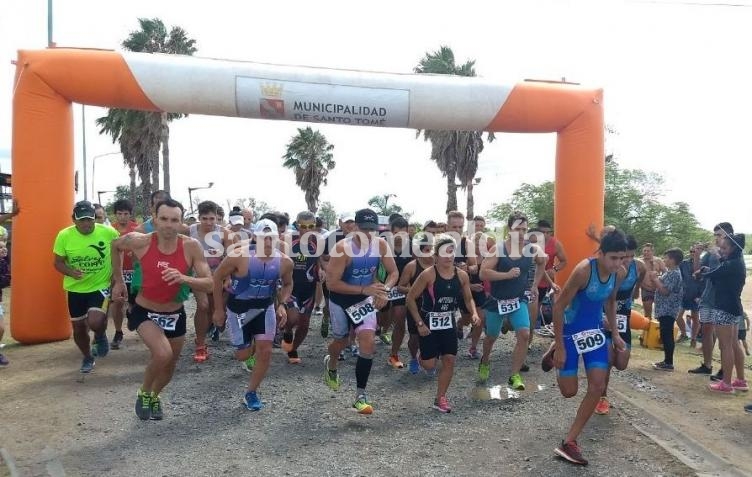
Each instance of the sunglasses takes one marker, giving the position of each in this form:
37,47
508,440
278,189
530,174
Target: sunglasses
307,227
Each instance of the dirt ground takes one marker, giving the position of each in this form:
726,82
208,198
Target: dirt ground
53,421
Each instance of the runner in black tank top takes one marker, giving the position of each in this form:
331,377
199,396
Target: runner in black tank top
442,288
407,277
396,311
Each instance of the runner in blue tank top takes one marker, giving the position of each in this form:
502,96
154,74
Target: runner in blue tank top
577,317
252,313
354,297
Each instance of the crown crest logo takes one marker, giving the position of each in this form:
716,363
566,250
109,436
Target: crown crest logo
271,90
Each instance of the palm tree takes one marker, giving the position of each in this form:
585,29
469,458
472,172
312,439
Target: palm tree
124,127
455,152
153,37
381,204
309,154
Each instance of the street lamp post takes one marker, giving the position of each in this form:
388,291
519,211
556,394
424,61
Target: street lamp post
94,168
190,194
99,195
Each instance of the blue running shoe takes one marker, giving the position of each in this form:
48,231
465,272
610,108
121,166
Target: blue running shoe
414,366
87,365
252,402
103,346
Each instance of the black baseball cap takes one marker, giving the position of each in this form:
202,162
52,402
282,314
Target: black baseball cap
83,210
367,219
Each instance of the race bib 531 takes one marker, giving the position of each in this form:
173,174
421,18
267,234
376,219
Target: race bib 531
508,306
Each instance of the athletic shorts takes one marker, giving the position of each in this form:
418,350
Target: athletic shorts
438,343
714,316
79,304
340,324
542,291
518,319
171,323
625,335
690,304
303,305
595,359
251,319
647,295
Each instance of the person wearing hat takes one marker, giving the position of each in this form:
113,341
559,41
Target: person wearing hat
82,256
355,296
252,314
171,264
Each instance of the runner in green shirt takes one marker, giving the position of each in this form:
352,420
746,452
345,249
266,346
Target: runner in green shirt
82,255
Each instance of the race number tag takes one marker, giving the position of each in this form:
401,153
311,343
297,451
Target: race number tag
440,320
359,311
621,323
588,340
128,276
166,322
395,294
509,306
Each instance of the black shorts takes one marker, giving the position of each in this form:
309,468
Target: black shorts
626,336
172,323
79,304
542,291
438,343
302,304
742,335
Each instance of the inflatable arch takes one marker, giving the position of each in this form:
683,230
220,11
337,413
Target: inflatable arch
47,81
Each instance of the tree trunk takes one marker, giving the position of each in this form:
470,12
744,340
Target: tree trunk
146,196
166,152
154,160
132,174
451,192
470,202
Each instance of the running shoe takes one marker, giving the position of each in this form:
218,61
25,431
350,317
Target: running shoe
102,345
395,362
386,337
431,373
472,353
143,405
331,378
516,382
293,358
354,351
318,311
571,452
547,362
682,339
414,366
252,401
506,327
484,371
740,385
663,366
216,332
524,368
362,406
603,407
249,363
3,361
748,408
201,354
721,388
702,369
341,356
117,340
717,376
277,340
442,405
87,365
156,408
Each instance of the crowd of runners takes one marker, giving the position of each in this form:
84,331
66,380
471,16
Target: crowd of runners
260,280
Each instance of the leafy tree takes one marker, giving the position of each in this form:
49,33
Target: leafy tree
124,192
310,156
328,215
259,207
381,205
632,203
454,152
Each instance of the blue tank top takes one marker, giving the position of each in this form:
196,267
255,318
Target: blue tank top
360,272
261,279
148,226
516,287
586,310
627,286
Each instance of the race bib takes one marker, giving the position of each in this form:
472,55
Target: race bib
508,306
588,340
359,311
128,276
621,323
166,322
395,294
244,318
440,320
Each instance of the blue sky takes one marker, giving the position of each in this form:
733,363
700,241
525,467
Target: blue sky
675,79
